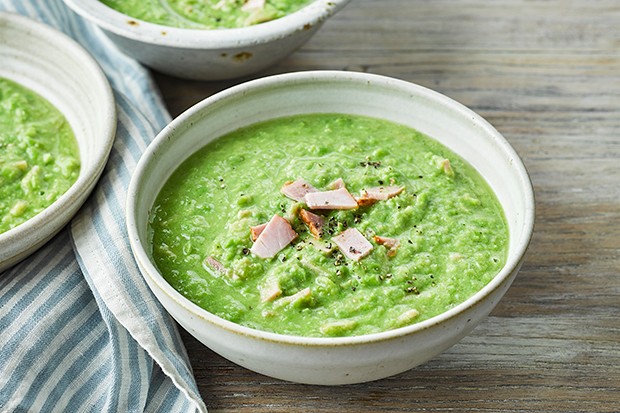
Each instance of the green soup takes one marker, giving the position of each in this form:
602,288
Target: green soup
207,14
450,231
39,156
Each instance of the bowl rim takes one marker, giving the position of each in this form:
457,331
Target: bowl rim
89,174
125,26
148,269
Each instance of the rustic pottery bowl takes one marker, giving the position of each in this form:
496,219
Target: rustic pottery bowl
333,360
54,66
208,54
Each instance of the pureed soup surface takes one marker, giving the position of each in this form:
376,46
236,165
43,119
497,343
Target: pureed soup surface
434,237
39,156
206,14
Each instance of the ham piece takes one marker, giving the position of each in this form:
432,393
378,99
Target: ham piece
337,184
276,235
353,244
256,231
337,199
447,168
215,265
314,222
297,190
270,290
299,295
391,244
378,193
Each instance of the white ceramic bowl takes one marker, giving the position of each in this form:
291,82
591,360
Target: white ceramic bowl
60,70
333,360
208,54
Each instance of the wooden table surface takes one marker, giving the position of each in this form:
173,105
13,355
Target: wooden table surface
546,74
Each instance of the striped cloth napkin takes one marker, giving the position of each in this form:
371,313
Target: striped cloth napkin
79,329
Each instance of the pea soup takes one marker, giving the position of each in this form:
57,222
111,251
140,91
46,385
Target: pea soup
327,225
39,156
207,14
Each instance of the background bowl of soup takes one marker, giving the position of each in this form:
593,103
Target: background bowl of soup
193,52
332,360
57,70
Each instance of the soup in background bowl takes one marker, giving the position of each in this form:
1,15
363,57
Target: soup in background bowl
209,14
209,54
44,62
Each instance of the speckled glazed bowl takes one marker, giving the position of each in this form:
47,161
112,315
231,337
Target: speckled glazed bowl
347,359
208,54
61,71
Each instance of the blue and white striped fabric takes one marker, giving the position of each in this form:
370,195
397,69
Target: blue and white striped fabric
79,329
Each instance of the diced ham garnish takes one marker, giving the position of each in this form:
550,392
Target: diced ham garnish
444,165
299,295
378,193
337,184
314,222
250,5
391,244
447,168
277,234
296,190
270,291
353,244
215,265
336,199
256,231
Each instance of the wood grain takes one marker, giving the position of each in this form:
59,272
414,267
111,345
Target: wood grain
545,73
